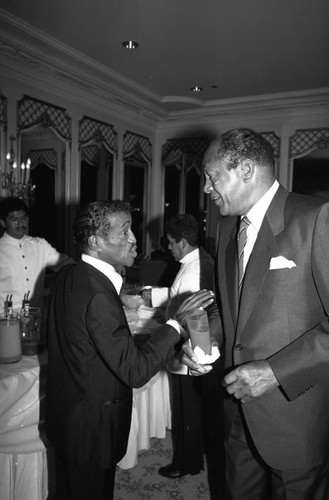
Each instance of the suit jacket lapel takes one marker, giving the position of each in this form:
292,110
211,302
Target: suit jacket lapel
226,268
265,247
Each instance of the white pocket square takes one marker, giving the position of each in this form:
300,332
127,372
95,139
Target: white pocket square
281,262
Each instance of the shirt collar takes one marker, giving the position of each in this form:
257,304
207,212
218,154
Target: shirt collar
13,241
188,257
257,212
105,268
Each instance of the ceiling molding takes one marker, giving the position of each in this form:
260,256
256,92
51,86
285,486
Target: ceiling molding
32,56
40,52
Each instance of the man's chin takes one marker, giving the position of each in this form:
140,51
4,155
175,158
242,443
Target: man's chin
130,260
18,235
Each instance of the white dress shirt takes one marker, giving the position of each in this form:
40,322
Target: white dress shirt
23,264
186,282
105,268
256,215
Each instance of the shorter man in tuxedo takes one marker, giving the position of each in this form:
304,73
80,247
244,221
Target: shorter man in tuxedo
93,362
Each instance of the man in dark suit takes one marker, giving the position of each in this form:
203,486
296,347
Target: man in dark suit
276,329
93,362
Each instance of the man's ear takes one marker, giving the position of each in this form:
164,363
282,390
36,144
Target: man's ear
183,243
2,223
93,243
247,169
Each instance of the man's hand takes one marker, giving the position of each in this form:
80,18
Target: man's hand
251,381
191,361
203,298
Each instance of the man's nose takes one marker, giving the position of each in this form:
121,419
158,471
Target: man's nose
132,237
207,186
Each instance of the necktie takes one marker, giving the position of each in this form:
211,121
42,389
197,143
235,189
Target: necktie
242,239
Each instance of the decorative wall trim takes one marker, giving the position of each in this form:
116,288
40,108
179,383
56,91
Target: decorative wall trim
33,54
192,149
33,112
93,131
189,151
47,157
137,147
306,140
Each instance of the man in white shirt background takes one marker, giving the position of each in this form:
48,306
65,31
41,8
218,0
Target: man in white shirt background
23,258
194,400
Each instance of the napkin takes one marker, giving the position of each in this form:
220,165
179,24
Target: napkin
206,359
281,262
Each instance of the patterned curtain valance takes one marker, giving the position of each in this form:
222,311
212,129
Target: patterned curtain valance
188,152
94,131
137,147
47,157
304,141
32,112
90,155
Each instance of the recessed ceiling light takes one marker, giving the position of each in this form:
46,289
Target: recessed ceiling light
196,88
130,44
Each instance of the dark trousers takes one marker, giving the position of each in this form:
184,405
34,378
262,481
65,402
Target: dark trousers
187,435
250,477
84,482
213,430
198,427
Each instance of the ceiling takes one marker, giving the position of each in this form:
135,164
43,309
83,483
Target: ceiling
230,48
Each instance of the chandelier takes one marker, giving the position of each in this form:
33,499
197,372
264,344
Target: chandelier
15,179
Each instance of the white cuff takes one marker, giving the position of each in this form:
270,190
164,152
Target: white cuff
160,296
174,323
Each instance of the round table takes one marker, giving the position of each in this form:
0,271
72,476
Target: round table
23,447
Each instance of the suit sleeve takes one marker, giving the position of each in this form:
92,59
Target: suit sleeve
304,364
112,340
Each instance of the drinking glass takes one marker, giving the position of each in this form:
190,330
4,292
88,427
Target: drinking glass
198,327
10,339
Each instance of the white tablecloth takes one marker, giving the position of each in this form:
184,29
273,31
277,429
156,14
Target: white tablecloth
151,416
23,455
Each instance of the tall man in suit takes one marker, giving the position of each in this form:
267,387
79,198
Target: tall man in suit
276,330
93,362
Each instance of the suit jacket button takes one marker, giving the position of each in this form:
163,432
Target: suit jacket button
239,347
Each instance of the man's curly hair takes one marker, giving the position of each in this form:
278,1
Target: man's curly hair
96,216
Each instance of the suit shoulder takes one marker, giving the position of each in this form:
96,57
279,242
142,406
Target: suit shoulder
303,205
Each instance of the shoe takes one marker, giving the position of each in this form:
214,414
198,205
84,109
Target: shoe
170,471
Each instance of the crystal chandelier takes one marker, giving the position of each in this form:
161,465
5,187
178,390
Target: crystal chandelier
15,180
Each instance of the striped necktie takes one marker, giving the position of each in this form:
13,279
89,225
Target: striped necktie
242,239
